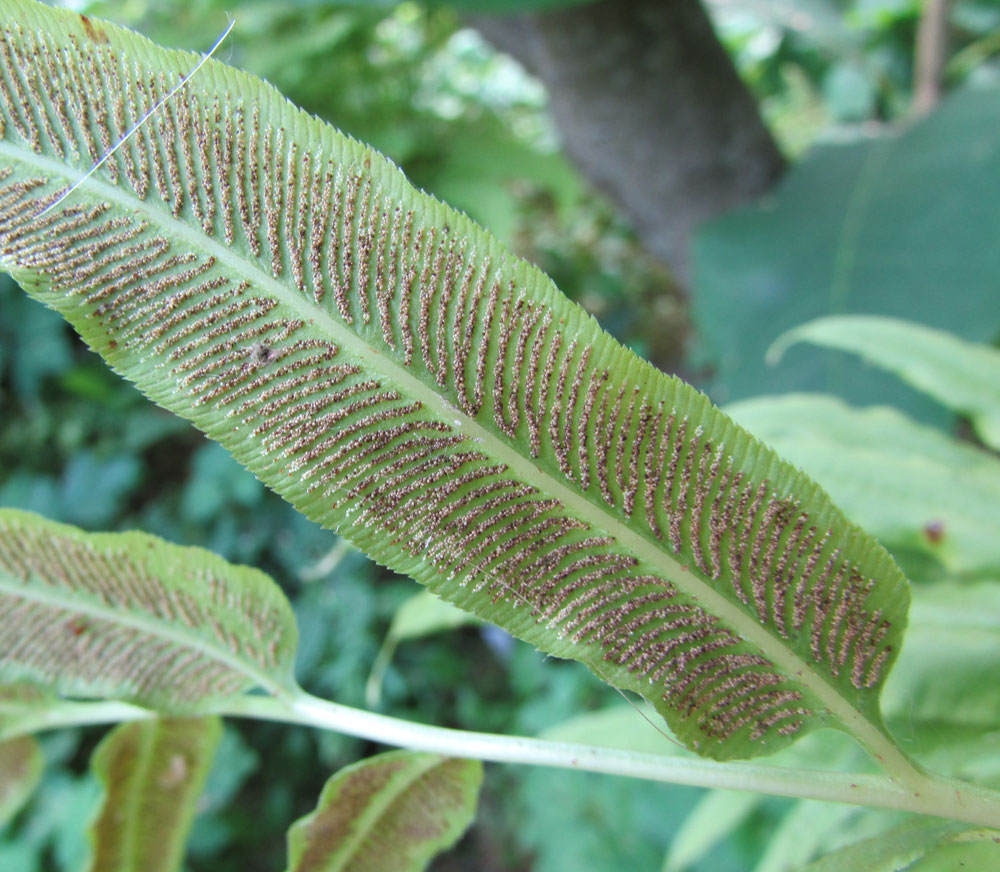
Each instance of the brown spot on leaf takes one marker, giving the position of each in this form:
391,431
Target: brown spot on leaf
94,34
76,626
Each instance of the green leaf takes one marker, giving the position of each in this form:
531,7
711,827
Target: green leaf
393,811
153,773
963,376
972,850
899,848
582,821
131,617
509,6
386,366
615,727
21,765
910,485
801,834
496,7
794,836
423,614
898,225
947,670
717,814
20,701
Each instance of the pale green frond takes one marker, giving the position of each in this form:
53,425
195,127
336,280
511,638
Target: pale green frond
964,376
393,811
153,773
947,671
923,845
716,815
386,366
421,615
128,616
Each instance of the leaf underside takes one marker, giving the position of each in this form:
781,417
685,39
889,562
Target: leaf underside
386,366
153,773
129,616
392,811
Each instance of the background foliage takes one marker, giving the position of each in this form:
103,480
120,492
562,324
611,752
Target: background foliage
869,219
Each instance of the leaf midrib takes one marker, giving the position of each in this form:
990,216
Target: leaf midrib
379,806
869,733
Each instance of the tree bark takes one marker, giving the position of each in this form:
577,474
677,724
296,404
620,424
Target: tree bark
651,109
930,56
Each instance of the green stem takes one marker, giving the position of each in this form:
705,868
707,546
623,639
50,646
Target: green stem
934,796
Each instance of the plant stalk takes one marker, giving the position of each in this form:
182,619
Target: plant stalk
934,796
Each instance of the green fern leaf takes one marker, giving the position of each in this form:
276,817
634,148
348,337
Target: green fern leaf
390,369
396,810
131,617
153,773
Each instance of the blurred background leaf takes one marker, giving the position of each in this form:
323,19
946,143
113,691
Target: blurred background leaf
901,224
152,773
421,615
21,765
963,376
931,843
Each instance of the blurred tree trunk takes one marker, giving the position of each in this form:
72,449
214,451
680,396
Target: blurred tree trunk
651,109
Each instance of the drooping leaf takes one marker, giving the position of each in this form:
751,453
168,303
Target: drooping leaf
901,848
393,811
421,615
910,485
801,834
21,766
950,660
153,773
386,366
424,614
131,617
970,850
712,819
898,225
17,701
963,376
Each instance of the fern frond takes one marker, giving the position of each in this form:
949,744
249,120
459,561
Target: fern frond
396,810
390,369
131,617
153,773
